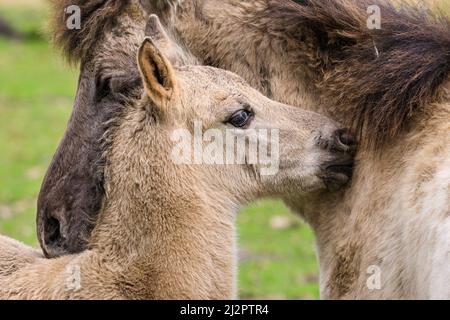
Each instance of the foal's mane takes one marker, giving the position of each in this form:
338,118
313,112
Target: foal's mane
97,18
378,79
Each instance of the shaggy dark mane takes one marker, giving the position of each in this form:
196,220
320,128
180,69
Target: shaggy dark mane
97,18
378,79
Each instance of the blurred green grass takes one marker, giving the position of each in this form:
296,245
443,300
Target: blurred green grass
277,261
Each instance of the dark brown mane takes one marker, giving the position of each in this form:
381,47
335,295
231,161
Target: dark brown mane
97,18
378,79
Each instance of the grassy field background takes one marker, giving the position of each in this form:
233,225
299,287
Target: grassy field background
36,94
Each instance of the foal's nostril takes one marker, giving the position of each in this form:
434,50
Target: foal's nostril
345,137
345,140
341,140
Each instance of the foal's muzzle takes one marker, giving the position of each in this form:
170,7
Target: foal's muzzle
338,171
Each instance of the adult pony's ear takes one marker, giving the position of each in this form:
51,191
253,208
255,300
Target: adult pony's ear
157,74
165,44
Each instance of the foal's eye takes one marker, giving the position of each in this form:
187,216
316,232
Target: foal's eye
241,118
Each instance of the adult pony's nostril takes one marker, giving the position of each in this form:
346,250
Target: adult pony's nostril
52,230
52,233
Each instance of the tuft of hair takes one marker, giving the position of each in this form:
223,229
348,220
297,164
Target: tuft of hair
97,18
379,78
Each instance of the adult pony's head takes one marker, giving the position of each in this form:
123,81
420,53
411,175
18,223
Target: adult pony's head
72,191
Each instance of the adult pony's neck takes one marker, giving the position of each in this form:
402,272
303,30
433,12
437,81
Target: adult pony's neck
378,79
322,54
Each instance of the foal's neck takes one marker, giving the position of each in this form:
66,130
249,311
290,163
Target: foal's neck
168,238
180,254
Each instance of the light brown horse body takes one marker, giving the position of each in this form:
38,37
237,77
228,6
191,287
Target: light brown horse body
167,230
388,236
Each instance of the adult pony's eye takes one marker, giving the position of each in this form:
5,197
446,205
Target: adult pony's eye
103,88
241,118
119,87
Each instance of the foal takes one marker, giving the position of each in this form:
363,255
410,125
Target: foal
167,230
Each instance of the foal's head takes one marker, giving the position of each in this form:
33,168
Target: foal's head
209,128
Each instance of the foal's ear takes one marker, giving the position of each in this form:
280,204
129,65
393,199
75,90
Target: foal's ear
157,73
